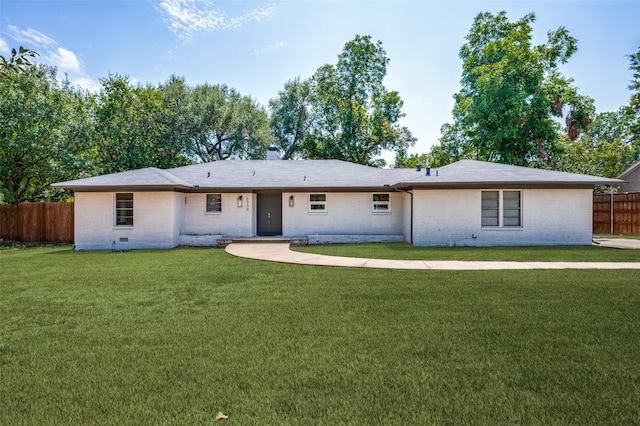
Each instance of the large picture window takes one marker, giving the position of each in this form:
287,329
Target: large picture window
124,209
317,203
501,209
214,203
381,203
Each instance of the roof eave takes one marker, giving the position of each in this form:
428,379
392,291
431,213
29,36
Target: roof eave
121,188
506,185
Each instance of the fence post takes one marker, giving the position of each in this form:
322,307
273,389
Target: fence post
611,213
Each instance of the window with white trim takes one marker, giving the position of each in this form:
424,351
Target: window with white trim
501,209
490,208
317,203
214,203
124,209
381,203
511,208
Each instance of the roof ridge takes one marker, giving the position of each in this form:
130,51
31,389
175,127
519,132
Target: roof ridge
170,176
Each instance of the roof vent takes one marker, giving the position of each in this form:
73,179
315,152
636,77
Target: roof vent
428,171
418,168
273,153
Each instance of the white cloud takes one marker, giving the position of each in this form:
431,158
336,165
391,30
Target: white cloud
86,83
30,36
270,47
65,60
4,47
189,16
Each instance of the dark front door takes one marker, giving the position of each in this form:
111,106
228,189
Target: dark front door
270,213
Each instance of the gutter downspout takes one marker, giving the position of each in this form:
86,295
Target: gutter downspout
411,216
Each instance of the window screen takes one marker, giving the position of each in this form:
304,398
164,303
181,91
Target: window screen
490,208
124,209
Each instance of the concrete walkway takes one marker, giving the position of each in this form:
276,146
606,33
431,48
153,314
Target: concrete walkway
279,252
617,243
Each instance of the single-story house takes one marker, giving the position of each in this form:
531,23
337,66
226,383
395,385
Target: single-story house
468,203
631,176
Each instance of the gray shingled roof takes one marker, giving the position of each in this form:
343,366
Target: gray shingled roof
472,172
630,170
269,174
149,177
328,175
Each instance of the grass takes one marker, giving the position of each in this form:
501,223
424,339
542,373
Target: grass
172,337
528,254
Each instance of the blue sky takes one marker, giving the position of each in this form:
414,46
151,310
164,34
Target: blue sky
257,46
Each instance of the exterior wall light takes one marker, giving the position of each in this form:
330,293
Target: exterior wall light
290,200
239,200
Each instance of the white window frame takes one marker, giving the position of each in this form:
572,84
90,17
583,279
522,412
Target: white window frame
219,203
501,210
318,203
494,209
119,209
377,206
506,208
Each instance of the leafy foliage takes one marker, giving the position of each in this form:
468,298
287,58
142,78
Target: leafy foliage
133,128
290,121
514,107
512,94
45,133
18,61
343,111
223,124
633,109
605,149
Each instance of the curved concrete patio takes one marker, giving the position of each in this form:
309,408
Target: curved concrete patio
280,252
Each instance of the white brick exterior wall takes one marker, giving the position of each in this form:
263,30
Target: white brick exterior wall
440,218
153,221
347,213
232,220
549,217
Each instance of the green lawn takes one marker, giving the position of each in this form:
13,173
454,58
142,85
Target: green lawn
172,337
526,254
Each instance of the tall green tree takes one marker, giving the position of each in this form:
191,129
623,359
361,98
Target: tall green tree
605,149
133,128
174,95
633,109
353,116
513,96
45,133
290,118
226,125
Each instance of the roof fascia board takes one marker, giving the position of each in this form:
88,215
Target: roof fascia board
197,190
499,185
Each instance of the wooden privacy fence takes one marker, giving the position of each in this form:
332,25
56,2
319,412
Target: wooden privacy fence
616,213
37,222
